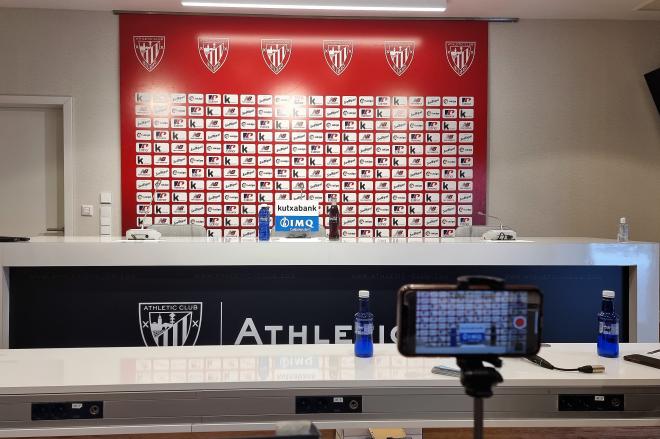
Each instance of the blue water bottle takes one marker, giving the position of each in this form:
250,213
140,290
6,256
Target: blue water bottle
364,327
264,223
608,327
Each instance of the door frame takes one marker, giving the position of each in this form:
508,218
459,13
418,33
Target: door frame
65,103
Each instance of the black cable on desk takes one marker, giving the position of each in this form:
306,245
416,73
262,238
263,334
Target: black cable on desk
590,368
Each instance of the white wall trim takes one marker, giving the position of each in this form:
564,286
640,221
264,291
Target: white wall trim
65,103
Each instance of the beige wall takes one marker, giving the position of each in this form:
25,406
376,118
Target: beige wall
574,136
32,140
70,53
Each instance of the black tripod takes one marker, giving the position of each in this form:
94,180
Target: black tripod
478,381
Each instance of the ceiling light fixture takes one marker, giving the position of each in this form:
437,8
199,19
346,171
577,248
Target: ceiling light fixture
317,7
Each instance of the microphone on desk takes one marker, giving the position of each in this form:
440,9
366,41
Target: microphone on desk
301,185
151,202
143,234
498,235
494,217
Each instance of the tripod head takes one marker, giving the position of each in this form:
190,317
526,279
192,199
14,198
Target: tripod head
478,379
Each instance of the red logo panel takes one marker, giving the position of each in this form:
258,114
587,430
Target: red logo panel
399,139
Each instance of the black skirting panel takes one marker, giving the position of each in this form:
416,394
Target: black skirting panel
57,307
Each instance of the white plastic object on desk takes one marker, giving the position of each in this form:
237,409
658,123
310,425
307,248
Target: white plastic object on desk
142,234
500,235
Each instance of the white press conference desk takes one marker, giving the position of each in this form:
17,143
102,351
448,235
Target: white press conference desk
642,258
231,388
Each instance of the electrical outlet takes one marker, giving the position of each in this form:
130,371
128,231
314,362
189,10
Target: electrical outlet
329,404
57,411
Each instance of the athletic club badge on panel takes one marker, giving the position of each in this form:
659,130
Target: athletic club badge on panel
149,50
460,55
276,54
338,54
170,323
213,51
399,55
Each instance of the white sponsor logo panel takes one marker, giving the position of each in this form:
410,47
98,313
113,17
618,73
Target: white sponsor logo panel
400,166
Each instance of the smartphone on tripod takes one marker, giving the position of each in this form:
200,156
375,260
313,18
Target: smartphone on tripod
478,320
463,321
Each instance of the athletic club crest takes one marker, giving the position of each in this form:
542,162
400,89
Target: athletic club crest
276,54
170,323
213,52
460,55
338,54
149,51
399,55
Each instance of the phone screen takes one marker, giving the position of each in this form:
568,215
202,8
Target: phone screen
471,322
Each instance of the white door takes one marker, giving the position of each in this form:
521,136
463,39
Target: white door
31,171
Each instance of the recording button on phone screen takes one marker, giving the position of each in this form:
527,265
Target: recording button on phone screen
519,322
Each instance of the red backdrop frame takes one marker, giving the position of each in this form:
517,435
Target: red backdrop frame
181,70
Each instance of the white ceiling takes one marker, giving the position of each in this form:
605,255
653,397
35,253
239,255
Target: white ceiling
545,9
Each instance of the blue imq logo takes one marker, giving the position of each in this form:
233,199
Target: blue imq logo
297,224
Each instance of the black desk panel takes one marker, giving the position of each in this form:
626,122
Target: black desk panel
53,307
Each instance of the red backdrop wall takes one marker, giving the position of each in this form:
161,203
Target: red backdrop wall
221,114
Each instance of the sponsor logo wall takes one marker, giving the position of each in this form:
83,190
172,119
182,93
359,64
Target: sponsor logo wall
221,114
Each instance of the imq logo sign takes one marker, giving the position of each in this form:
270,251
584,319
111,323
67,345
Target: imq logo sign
296,215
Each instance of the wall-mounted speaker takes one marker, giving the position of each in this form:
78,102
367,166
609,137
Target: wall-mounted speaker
653,81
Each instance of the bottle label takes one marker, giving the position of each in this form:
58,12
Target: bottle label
608,328
364,328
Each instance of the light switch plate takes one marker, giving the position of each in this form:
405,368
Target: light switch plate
106,230
106,221
105,212
106,197
87,210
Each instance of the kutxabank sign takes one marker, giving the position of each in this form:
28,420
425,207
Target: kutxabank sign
296,216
